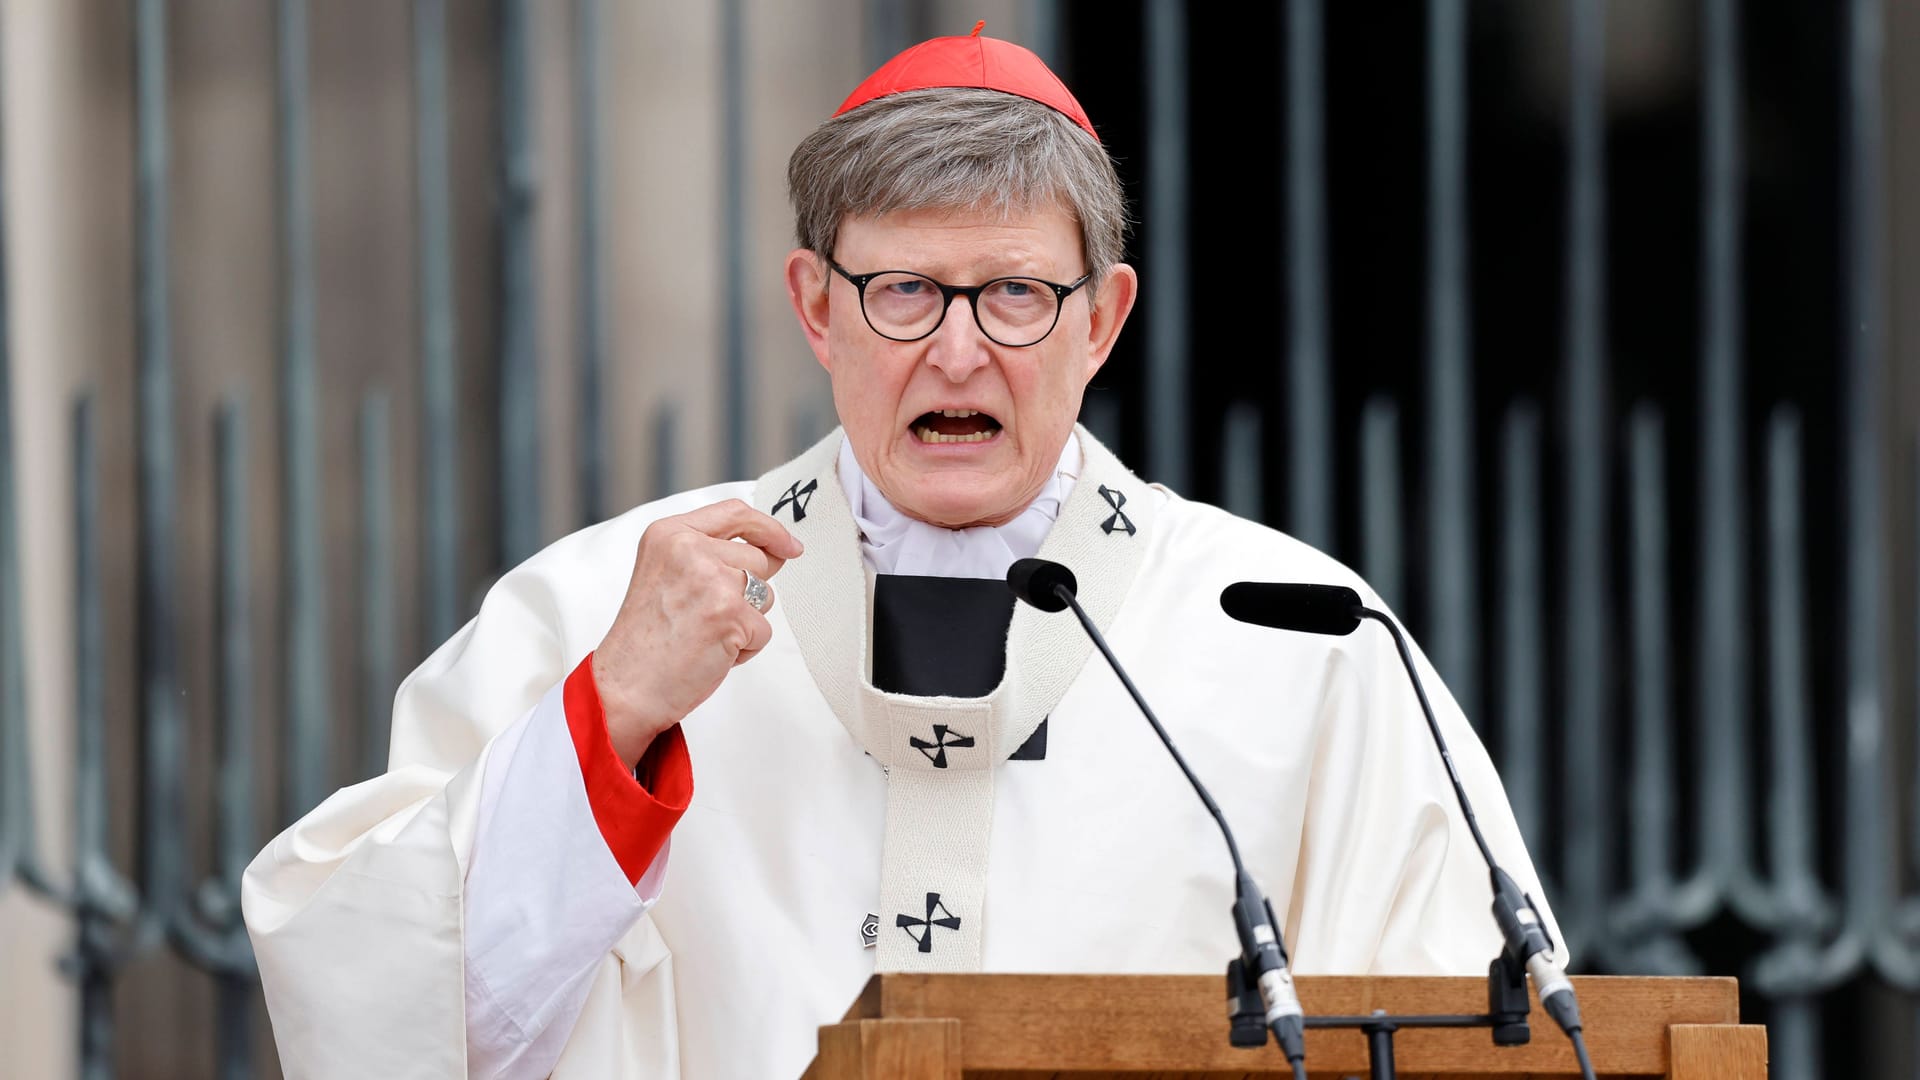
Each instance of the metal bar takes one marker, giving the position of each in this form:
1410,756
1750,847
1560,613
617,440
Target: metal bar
590,422
99,898
1793,1039
204,925
1380,525
235,796
1588,791
1721,696
17,841
1453,578
1043,33
377,682
1241,467
737,420
1793,1034
1790,786
1870,862
666,452
162,750
1650,814
309,761
439,440
1522,598
1310,388
1100,415
887,30
1863,349
235,994
90,741
1870,852
1650,811
1168,303
519,404
806,424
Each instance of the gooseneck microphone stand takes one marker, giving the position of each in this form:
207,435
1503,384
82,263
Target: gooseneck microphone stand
1268,1001
1332,609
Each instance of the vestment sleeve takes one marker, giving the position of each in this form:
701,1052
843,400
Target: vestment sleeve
358,912
635,812
563,865
1390,880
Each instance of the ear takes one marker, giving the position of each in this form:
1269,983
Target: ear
1117,293
807,283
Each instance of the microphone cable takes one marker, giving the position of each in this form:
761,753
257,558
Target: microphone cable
1338,610
1555,992
1057,584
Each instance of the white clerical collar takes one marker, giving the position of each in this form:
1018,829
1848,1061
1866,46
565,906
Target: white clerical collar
893,543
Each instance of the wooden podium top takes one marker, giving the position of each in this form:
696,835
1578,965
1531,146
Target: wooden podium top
1087,1026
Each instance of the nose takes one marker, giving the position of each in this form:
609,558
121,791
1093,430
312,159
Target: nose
958,348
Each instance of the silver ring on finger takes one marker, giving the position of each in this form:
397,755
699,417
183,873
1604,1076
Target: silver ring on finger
759,594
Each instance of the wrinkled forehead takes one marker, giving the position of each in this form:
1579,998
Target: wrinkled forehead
1037,212
1033,235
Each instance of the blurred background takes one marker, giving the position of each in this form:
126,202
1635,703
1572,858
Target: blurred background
1583,328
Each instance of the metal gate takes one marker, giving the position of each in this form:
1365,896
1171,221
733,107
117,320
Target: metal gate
1675,710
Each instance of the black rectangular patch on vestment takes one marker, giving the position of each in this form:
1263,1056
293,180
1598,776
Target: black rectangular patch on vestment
944,637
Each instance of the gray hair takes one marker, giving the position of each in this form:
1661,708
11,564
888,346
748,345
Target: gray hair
956,148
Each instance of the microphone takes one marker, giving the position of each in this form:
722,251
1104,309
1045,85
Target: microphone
1035,582
1050,586
1309,609
1336,609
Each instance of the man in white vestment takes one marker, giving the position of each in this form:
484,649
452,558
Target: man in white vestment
534,887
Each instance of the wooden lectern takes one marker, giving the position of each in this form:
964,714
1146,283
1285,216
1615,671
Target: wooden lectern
1174,1027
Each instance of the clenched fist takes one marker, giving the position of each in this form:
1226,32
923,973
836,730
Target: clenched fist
685,621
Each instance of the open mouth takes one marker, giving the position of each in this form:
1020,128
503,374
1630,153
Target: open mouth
955,426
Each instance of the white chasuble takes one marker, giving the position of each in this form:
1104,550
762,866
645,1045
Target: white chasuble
820,799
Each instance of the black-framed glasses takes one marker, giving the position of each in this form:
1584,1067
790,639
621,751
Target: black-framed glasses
901,305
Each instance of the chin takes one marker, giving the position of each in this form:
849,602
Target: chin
960,506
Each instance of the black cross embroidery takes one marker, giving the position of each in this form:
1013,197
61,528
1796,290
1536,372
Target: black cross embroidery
925,937
939,744
1119,520
799,496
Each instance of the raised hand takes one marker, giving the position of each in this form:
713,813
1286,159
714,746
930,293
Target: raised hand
686,620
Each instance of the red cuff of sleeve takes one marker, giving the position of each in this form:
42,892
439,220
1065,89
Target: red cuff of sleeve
636,814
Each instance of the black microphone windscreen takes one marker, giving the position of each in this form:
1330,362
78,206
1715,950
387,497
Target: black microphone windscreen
1034,581
1309,609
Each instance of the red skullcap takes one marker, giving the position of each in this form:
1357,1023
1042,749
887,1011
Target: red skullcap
972,61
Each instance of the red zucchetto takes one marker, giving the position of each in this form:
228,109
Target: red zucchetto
971,61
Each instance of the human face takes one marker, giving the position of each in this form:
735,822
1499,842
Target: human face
893,397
